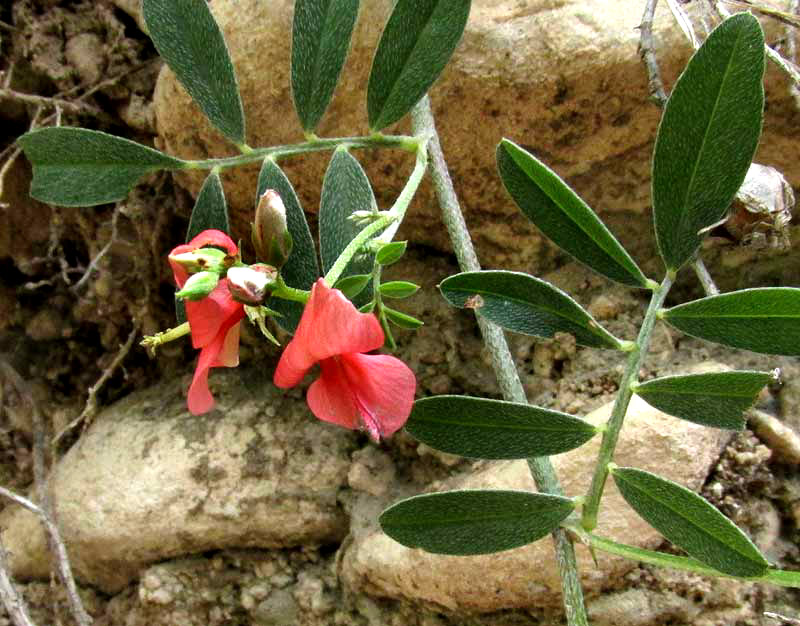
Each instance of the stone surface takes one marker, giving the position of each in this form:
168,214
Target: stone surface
148,481
562,79
527,576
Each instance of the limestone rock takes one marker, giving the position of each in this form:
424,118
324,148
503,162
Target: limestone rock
527,576
148,482
562,79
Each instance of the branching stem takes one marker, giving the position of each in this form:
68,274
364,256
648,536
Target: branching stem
614,424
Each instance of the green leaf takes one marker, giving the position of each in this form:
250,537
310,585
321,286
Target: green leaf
716,399
353,285
524,304
707,137
391,252
401,320
416,44
474,522
79,167
301,269
690,522
493,429
562,216
765,320
321,34
210,209
188,38
398,289
345,189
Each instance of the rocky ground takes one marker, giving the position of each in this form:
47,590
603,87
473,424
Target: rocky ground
259,514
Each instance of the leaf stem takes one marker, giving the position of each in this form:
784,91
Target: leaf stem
614,424
285,292
367,233
541,468
400,142
784,578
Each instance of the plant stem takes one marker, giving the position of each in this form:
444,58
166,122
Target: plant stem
614,424
369,231
400,142
502,362
783,578
389,221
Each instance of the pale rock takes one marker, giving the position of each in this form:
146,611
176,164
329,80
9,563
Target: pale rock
563,79
148,482
527,576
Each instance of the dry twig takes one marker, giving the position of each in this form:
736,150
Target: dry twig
648,54
12,600
45,511
777,436
90,409
782,619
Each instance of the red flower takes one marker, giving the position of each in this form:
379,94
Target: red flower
214,322
373,391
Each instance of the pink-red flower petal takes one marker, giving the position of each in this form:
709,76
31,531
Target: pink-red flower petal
330,325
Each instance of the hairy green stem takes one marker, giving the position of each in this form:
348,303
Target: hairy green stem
614,425
503,363
783,578
400,142
285,292
368,232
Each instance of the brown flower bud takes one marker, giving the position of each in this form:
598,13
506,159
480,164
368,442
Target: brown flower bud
271,237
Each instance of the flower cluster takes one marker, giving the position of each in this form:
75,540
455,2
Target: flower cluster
354,390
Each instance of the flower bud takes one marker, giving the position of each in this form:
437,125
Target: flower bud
203,260
198,286
251,285
271,237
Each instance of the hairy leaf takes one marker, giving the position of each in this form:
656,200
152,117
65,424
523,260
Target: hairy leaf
524,304
79,167
474,522
562,216
690,522
707,137
416,44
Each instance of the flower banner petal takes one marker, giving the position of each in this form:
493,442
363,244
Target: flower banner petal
330,398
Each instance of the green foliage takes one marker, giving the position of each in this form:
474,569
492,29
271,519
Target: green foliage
301,269
321,34
345,189
401,320
79,167
715,399
524,304
210,209
398,289
353,285
188,38
562,216
707,137
416,44
493,429
391,252
765,320
474,522
690,522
